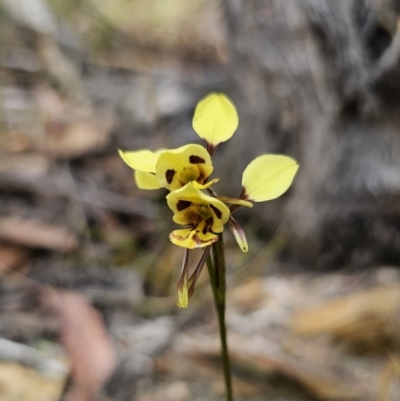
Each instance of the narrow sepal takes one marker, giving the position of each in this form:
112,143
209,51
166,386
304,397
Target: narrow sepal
206,185
235,201
239,234
183,297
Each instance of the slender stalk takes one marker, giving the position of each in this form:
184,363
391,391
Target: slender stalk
217,272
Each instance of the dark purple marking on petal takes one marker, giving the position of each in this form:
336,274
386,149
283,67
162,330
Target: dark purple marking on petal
182,205
243,195
217,212
197,239
169,175
211,149
210,221
208,227
196,159
179,237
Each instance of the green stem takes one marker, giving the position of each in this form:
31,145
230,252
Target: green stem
217,272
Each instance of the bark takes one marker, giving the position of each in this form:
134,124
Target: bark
319,80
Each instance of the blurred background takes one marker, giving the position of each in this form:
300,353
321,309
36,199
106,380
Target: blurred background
88,275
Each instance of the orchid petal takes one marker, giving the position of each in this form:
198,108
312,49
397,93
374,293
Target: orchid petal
267,177
191,239
142,160
186,196
177,167
239,234
215,119
205,186
146,180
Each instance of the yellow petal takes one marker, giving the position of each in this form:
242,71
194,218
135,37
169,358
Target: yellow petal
215,119
205,186
268,177
142,160
220,210
239,234
183,297
183,217
177,167
191,239
146,180
189,194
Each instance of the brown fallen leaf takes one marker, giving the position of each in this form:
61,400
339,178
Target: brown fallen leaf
333,316
12,257
50,102
24,383
322,383
389,379
39,165
248,295
75,140
175,391
86,341
37,234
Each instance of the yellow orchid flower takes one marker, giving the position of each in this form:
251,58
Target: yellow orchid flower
186,171
204,217
215,120
172,168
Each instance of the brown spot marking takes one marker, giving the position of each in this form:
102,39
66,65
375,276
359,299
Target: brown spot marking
197,239
169,175
243,195
196,160
182,205
209,223
178,237
216,211
211,149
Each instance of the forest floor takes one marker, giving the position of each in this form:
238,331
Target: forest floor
88,275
